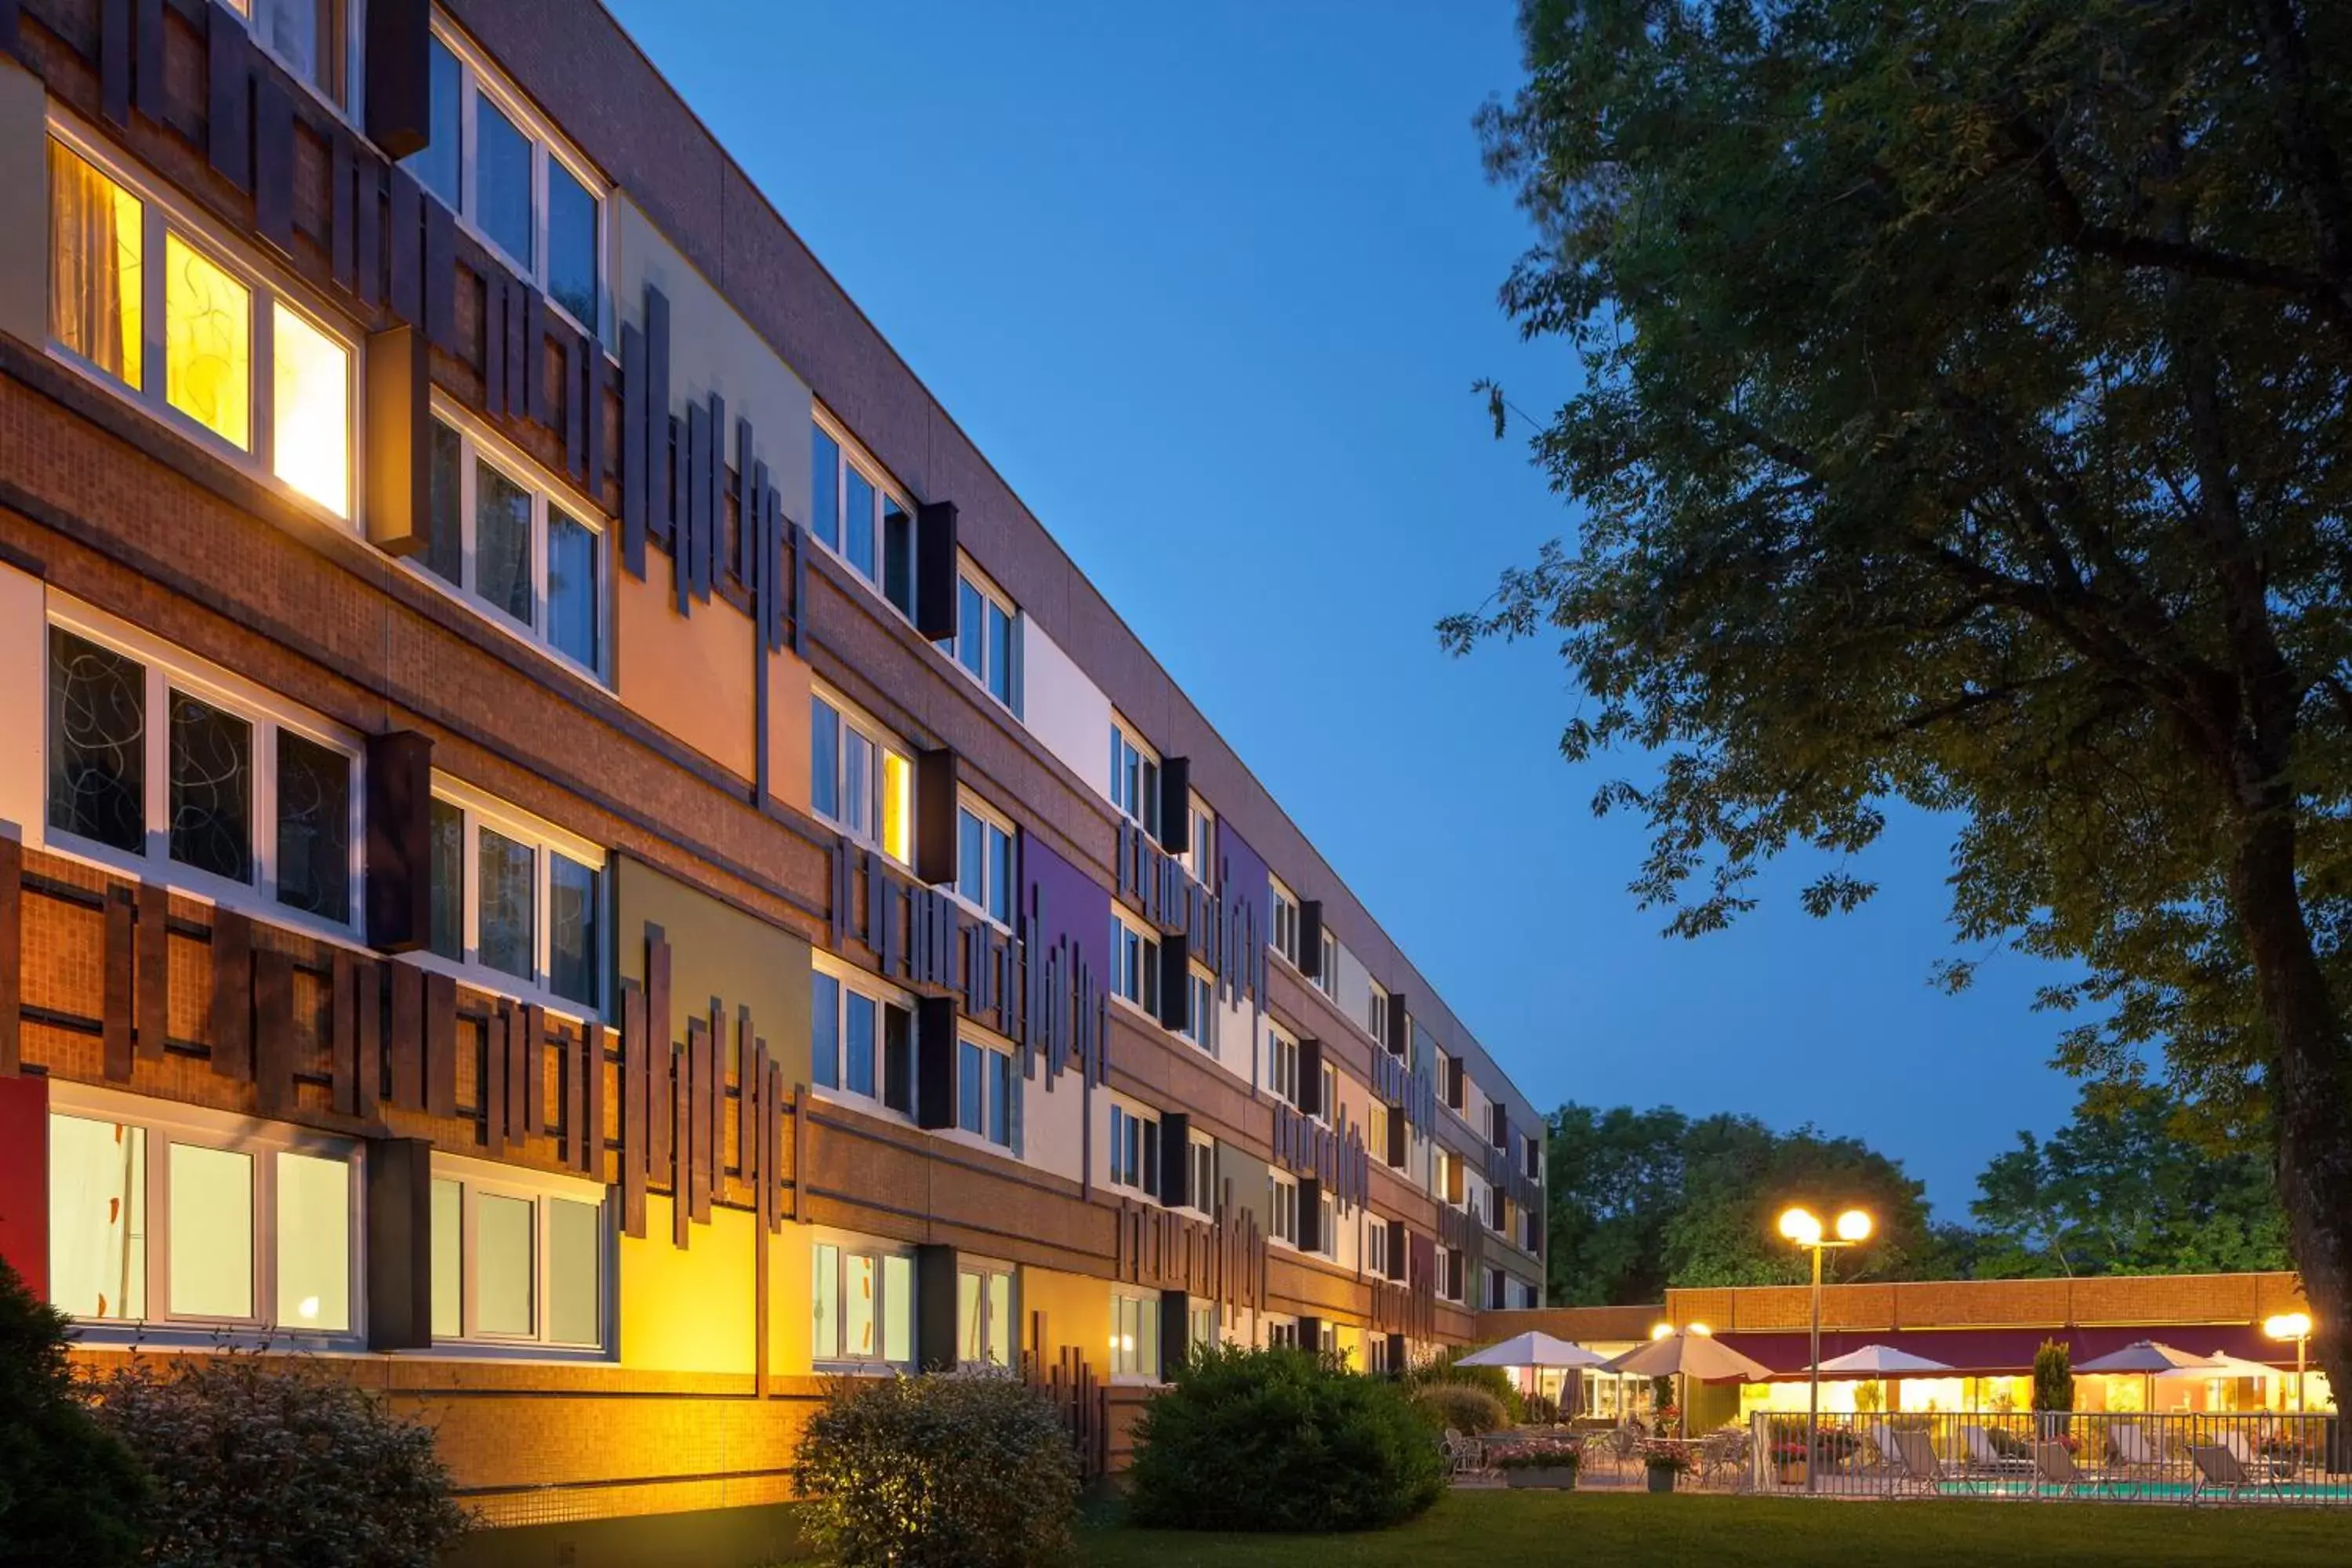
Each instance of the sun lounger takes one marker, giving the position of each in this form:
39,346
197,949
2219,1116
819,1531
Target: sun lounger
1984,1459
2219,1470
1921,1468
2055,1465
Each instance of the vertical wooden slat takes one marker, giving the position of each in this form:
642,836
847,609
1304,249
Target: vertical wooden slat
600,380
440,1045
228,105
407,1043
747,1096
575,403
232,1011
121,944
694,1147
441,279
114,60
591,1163
273,1008
494,342
636,1093
636,496
367,1083
494,1080
367,232
573,1061
147,78
672,1102
530,1057
341,204
526,396
12,953
774,1133
403,245
154,1004
660,1043
343,1025
273,163
522,1073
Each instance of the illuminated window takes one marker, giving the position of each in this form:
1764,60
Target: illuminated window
511,541
1201,1326
207,341
1201,1185
97,247
862,1038
1327,979
1376,1015
1201,851
164,1217
516,902
518,1258
861,1306
1376,1249
311,407
1134,1337
983,1316
1326,1099
859,781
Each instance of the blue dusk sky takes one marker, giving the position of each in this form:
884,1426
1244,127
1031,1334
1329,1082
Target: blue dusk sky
1226,272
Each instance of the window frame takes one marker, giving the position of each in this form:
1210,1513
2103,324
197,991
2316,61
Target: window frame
1130,752
1200,1028
984,1270
1151,1149
167,669
161,214
1200,1182
886,746
477,77
1282,934
1326,1093
1144,969
354,19
990,820
1282,1063
969,575
998,1057
477,443
847,1245
851,453
169,1124
477,1178
545,840
886,996
1375,1246
1129,1354
1201,839
1376,1014
1327,979
1282,1210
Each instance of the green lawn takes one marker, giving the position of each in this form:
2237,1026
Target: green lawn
1634,1530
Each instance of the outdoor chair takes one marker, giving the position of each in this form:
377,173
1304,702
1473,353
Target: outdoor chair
1881,1435
2219,1470
1624,1446
2135,1452
1984,1459
1921,1469
2054,1464
2252,1463
1463,1456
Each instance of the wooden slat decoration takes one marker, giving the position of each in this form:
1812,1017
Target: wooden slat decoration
660,1045
526,340
693,1191
575,407
340,177
530,1056
672,1107
775,1137
591,1141
114,60
441,280
406,1046
147,74
494,1079
572,1060
232,1011
12,951
273,162
154,980
440,1045
344,1034
367,1002
747,1096
714,1103
494,342
367,232
636,1087
600,381
404,244
273,1010
523,1095
636,496
656,416
121,944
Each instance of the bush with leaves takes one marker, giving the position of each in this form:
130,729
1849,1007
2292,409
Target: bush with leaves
1494,1379
960,1469
1461,1408
69,1492
1540,1410
1280,1439
271,1459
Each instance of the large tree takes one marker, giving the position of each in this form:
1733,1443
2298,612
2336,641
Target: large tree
1962,422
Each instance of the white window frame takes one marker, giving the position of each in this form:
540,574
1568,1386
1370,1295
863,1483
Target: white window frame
991,821
1282,1206
1376,1246
167,1123
854,455
1376,1015
1327,979
1326,1093
1129,1356
543,838
1202,1329
1143,972
1201,840
352,113
1283,936
476,443
1326,1223
873,834
1130,750
158,214
847,1246
1201,1172
1201,1008
994,1049
169,670
884,996
478,78
480,1178
976,641
984,1270
1151,1147
1282,1063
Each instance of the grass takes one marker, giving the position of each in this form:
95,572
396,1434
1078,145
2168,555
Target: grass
1632,1531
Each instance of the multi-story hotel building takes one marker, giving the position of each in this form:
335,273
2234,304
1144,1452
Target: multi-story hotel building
573,849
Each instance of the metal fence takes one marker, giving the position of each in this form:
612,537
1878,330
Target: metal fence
2176,1458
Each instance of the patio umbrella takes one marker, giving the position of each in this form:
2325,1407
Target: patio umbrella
1879,1362
1687,1356
2151,1359
1532,1349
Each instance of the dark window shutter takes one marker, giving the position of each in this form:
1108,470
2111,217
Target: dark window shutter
1175,982
1310,1079
399,75
399,1250
1176,1160
1398,1135
1399,1025
1175,1331
1310,937
398,501
1310,1216
898,1061
399,850
936,1340
1176,805
935,815
934,570
1309,1333
935,1061
1396,1248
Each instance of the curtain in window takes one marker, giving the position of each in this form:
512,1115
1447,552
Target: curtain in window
97,1230
94,248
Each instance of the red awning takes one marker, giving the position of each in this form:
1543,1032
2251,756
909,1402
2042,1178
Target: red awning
1996,1351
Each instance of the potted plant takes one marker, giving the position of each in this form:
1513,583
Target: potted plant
1540,1464
1664,1462
1789,1461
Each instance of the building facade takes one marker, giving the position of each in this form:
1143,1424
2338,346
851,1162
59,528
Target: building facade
566,843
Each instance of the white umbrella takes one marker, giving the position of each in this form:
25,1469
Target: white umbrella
2151,1359
1689,1355
1879,1361
1532,1349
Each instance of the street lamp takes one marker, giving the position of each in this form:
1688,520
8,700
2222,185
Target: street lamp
1799,1226
2295,1326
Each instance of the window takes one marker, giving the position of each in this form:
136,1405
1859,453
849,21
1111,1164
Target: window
1326,1232
861,1304
1326,980
1495,1300
311,38
1202,1186
1281,1063
1201,1326
1376,1249
1134,1150
1376,1015
235,364
1134,777
984,863
1134,966
511,179
1200,856
1285,922
859,781
516,898
1282,1205
161,1215
983,1316
862,1038
1326,1099
1532,1153
1375,1130
984,1091
509,542
984,640
1201,1013
859,515
1134,1337
1451,1266
1530,1230
221,795
517,1258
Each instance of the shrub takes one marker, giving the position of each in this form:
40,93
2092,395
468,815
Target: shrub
69,1492
2054,1377
1494,1379
1540,1410
954,1470
1460,1406
276,1460
1279,1439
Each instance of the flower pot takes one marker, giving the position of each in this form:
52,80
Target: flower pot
1792,1474
1560,1477
1662,1479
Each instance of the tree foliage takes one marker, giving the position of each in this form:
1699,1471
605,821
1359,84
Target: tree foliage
69,1492
1963,423
2124,1189
1642,1200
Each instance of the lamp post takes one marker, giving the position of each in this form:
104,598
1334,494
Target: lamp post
1799,1226
2295,1326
